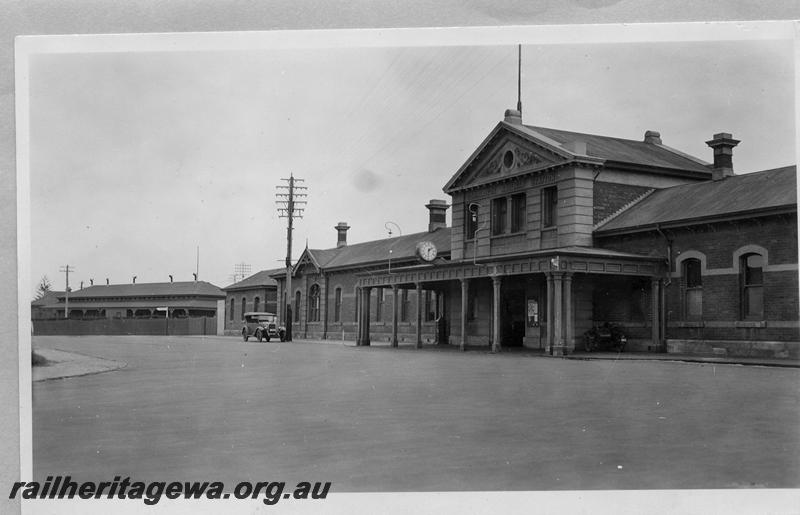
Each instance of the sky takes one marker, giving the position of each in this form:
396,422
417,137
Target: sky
139,158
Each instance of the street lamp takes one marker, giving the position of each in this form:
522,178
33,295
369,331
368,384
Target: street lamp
473,208
389,230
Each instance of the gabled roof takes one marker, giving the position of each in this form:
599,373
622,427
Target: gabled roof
599,150
51,297
740,195
191,288
256,280
628,151
377,251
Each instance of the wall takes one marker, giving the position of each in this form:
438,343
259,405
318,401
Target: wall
347,326
267,302
716,245
123,326
610,197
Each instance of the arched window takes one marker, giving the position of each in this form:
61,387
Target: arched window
244,306
751,267
256,304
692,288
297,306
337,305
313,303
233,306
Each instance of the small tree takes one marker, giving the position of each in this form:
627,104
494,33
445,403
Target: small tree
43,288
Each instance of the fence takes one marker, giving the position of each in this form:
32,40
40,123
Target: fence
123,326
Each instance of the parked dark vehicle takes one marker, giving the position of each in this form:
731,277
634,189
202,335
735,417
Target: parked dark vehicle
263,326
605,337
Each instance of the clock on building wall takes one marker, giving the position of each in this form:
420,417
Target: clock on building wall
426,251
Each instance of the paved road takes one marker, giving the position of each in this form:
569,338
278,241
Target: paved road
380,419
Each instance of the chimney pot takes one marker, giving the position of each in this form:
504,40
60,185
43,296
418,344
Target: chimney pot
652,137
341,229
723,144
437,210
513,117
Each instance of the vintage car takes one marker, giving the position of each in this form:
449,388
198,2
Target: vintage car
262,325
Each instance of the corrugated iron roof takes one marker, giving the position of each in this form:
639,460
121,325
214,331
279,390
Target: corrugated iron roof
627,150
402,247
193,288
132,304
261,278
47,299
740,194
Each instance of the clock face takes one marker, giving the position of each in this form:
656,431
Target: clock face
426,250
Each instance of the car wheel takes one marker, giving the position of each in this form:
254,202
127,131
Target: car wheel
244,335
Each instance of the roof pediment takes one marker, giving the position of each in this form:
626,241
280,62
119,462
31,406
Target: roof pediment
508,151
306,260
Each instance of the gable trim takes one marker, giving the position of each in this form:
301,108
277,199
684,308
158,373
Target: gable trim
521,131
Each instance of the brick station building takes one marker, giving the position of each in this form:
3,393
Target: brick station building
554,232
257,292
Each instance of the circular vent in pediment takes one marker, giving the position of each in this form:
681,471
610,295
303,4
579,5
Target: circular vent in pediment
508,159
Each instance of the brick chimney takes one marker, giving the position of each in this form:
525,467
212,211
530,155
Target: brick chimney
513,117
722,144
437,214
341,229
652,137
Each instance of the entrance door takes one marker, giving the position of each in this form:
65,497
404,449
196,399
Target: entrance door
513,314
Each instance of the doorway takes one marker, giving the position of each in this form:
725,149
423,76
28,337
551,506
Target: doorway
512,314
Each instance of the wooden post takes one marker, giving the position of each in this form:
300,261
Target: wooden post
496,282
549,336
419,315
359,325
365,314
395,306
569,323
558,315
464,314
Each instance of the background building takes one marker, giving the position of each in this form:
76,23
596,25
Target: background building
255,293
134,309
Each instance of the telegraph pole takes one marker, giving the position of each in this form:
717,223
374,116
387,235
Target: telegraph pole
291,204
66,269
